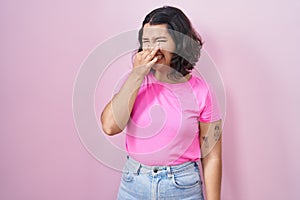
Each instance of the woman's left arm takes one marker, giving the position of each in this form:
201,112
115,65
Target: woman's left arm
211,151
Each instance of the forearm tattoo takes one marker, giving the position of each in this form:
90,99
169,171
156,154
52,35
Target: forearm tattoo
217,133
205,141
210,139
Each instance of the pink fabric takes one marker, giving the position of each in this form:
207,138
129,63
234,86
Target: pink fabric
163,129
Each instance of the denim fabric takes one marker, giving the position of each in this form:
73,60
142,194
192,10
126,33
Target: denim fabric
141,182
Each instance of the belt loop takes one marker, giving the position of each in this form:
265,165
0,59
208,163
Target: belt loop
199,164
169,172
135,166
138,169
196,164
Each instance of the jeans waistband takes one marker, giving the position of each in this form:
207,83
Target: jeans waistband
137,167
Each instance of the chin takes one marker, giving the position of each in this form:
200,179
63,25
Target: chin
161,66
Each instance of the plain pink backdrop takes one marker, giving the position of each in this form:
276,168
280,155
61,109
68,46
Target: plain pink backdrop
43,43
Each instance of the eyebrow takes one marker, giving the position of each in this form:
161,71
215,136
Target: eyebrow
159,37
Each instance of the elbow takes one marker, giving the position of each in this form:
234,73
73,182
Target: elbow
213,159
109,128
110,131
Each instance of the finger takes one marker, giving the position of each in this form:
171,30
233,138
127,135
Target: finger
151,54
146,54
140,54
152,62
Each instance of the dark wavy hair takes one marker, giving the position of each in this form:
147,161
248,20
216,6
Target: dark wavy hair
188,42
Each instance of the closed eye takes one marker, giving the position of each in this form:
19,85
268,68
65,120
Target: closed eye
145,40
161,40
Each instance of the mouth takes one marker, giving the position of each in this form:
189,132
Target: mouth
159,55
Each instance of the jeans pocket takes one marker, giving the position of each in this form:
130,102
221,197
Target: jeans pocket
127,175
186,179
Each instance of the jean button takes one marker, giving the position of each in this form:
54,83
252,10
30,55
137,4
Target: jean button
155,170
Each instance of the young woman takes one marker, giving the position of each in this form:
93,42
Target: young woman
169,115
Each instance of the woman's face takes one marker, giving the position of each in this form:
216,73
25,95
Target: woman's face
158,35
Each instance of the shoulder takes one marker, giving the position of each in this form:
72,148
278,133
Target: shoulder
199,84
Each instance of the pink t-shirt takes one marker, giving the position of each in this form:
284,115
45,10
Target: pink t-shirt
163,129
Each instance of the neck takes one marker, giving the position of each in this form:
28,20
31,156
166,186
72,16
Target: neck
164,77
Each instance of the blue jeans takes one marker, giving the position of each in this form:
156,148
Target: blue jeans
179,182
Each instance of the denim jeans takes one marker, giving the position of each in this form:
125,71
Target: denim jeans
179,182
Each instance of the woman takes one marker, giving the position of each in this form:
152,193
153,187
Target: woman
169,115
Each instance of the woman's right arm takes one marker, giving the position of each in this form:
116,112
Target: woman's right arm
116,113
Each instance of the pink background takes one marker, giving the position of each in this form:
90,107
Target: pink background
43,43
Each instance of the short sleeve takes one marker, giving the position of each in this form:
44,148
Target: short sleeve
210,111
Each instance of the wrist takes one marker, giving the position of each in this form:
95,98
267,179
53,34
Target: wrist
134,75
